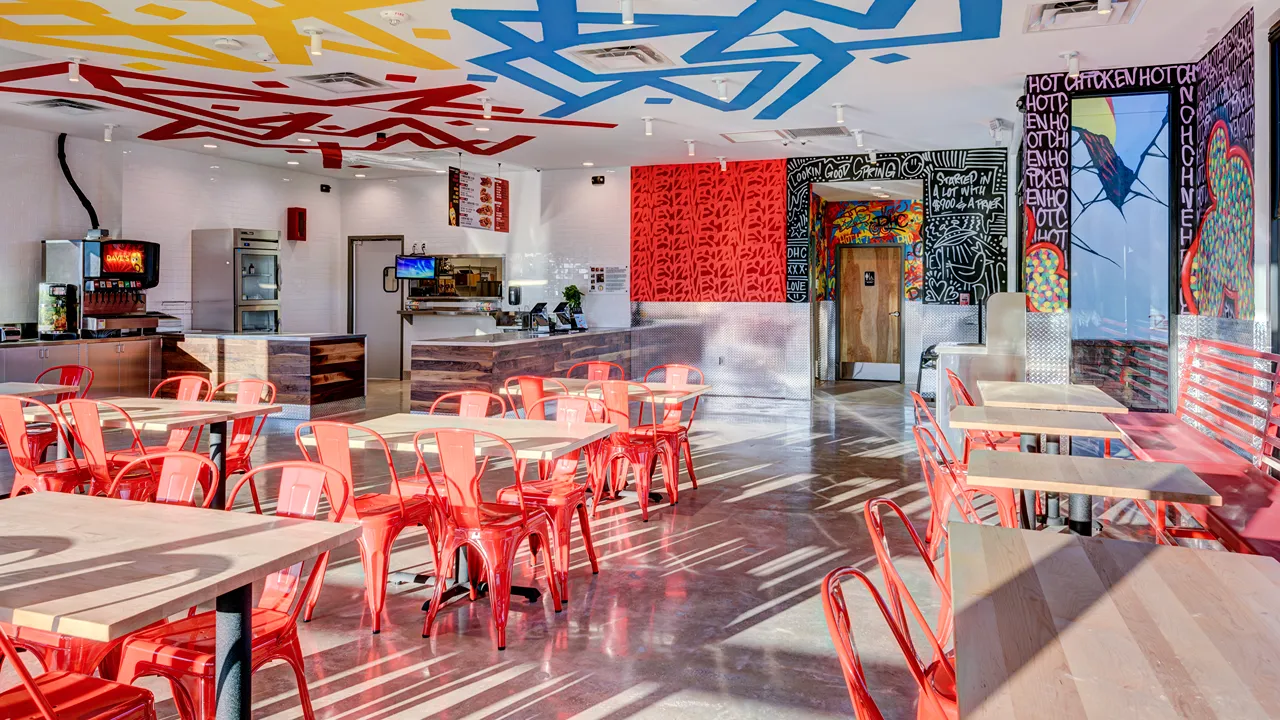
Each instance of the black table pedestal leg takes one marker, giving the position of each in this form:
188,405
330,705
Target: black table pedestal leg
234,658
1030,443
218,454
1081,522
1052,503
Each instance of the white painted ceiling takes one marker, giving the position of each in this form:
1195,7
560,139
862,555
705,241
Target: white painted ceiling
942,95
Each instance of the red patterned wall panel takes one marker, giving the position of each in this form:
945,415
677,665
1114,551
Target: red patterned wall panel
702,235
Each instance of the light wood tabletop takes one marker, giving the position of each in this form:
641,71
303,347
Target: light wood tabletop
99,568
1054,625
531,439
1020,420
1046,396
34,390
663,393
1090,476
162,414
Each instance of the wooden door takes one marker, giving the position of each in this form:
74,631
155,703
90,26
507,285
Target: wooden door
871,304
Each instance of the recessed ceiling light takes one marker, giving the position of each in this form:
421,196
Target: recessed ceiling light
359,175
285,179
482,129
304,139
588,164
126,152
440,172
213,167
211,146
876,187
293,162
392,180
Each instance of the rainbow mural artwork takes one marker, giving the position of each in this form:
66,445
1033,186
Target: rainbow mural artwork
893,222
1215,280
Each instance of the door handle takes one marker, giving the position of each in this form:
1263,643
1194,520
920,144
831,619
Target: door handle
896,313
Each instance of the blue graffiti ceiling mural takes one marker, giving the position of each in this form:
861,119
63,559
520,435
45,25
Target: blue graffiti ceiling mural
775,40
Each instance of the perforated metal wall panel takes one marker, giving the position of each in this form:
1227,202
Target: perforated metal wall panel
744,349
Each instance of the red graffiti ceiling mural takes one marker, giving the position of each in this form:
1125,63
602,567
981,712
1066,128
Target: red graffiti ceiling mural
699,234
272,114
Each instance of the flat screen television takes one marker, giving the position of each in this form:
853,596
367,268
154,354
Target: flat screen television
415,267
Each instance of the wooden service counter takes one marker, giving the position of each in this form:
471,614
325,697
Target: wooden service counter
315,374
484,362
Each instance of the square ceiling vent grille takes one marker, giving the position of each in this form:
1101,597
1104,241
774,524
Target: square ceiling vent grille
65,106
620,58
1076,14
342,82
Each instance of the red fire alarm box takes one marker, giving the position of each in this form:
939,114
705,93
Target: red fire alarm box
297,225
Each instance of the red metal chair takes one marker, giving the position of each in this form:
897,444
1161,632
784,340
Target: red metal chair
958,470
62,695
599,370
1007,442
471,403
31,475
85,419
530,389
637,446
557,490
192,388
183,651
244,432
676,432
899,595
930,680
42,433
177,475
381,516
493,529
946,491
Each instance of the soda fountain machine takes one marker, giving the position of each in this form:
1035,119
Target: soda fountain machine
96,288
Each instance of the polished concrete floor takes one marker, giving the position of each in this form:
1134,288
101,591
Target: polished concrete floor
709,610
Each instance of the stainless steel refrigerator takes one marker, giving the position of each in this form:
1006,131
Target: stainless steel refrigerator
235,280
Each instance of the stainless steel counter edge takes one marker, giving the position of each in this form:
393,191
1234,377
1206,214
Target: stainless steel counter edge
505,339
86,341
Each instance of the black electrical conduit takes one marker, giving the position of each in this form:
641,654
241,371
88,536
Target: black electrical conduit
66,171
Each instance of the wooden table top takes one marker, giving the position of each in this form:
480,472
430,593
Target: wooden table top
162,414
30,390
1090,476
1055,625
99,568
1043,396
1049,422
663,393
531,439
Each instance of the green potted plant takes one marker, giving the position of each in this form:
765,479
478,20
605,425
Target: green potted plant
573,296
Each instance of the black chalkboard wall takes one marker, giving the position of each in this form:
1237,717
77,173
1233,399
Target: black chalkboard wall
966,221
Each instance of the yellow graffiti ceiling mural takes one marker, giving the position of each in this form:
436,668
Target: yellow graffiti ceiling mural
167,34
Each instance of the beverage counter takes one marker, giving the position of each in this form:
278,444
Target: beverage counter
484,362
121,366
315,374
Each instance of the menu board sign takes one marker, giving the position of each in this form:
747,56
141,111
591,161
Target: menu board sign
478,201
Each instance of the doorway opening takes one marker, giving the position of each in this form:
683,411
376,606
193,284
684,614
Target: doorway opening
374,302
873,230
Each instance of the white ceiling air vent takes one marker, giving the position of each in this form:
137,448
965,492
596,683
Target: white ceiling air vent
619,58
65,106
1075,14
835,131
342,82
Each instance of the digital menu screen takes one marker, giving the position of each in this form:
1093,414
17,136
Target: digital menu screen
478,201
415,267
124,258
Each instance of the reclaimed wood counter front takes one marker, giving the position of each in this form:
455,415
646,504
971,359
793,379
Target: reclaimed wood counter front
311,372
484,362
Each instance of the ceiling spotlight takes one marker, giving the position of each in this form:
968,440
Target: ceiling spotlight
648,126
285,179
440,172
211,146
723,164
393,180
839,112
213,167
722,89
690,144
292,162
317,45
628,12
73,68
876,187
487,104
359,174
229,44
1073,63
857,135
872,155
481,128
304,140
106,132
588,164
1104,7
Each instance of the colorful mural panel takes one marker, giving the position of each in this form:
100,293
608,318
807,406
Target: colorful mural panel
699,234
868,223
1217,275
783,50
